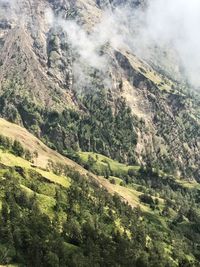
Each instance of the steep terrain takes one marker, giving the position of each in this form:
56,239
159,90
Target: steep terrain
45,156
99,148
68,216
42,73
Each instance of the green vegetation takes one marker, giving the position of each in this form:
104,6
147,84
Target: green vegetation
15,148
98,130
10,157
59,217
82,226
133,199
45,222
106,126
103,165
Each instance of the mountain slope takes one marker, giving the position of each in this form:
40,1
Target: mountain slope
99,149
46,85
46,155
65,218
64,212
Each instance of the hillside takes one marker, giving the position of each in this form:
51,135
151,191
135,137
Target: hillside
99,135
57,92
64,194
46,155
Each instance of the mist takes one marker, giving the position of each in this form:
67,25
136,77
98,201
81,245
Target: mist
173,24
170,26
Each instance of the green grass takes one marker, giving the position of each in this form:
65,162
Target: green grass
46,191
64,181
184,183
116,179
70,247
101,162
189,185
11,160
45,203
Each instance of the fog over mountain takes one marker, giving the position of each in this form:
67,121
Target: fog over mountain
174,24
99,133
168,27
171,27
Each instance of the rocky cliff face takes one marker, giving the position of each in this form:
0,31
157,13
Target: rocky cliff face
40,65
28,57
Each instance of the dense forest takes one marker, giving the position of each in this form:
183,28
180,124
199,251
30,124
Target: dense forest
99,130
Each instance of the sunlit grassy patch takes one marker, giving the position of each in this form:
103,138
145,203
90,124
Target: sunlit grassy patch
102,161
11,160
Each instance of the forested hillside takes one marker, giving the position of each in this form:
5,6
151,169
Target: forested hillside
58,216
106,100
99,136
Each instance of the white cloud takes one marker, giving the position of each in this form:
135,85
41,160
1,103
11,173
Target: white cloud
172,23
175,24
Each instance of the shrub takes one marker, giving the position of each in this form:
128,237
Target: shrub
17,149
146,199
